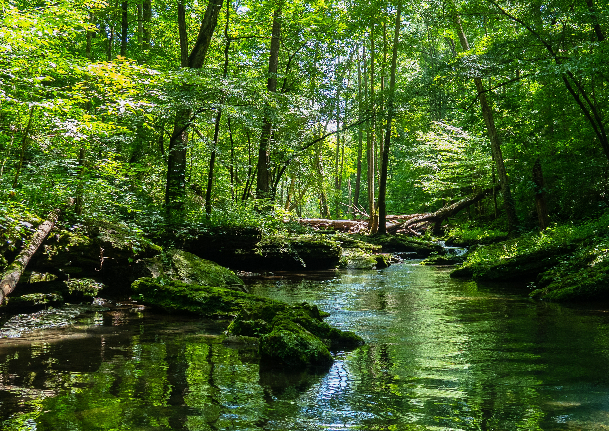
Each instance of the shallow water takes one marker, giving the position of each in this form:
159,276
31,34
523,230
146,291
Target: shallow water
441,354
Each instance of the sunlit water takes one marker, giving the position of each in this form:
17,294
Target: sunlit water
441,354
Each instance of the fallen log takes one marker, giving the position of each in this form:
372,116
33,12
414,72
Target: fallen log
11,276
443,213
352,226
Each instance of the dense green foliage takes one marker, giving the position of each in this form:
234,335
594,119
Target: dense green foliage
90,91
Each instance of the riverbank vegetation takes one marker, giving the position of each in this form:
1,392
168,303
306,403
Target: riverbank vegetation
213,127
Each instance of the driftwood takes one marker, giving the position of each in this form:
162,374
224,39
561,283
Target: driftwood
11,276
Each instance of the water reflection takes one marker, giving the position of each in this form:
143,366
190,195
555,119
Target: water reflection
440,354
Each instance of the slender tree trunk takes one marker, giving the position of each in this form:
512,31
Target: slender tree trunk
360,137
390,113
90,34
26,136
140,23
371,141
487,113
263,178
146,22
183,34
124,27
178,143
540,195
575,87
212,158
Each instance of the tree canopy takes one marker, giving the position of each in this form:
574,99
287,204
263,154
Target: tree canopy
157,112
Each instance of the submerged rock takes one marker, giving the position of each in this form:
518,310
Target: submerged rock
289,335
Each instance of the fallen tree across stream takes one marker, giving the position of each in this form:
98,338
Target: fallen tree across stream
11,276
412,224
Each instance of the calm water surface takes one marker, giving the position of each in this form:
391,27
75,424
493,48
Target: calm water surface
441,354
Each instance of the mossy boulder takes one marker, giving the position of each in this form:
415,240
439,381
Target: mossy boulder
251,252
289,335
178,297
291,345
104,251
188,268
358,254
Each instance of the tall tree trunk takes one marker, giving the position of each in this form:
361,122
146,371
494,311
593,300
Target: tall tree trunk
487,113
390,113
360,136
178,143
183,34
212,158
90,33
146,22
371,144
124,27
263,180
540,195
140,23
26,136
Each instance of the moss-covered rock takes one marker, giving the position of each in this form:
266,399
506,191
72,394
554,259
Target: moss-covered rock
250,251
188,268
179,297
289,334
291,345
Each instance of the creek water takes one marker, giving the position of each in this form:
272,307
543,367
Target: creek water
440,354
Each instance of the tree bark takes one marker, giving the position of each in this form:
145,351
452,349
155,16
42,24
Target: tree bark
183,33
11,276
446,211
146,20
26,135
124,27
390,113
263,180
360,137
540,195
178,143
212,158
487,113
371,144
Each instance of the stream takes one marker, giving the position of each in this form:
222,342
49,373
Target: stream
440,354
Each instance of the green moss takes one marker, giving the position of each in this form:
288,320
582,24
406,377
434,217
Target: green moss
289,334
177,296
192,269
291,345
84,286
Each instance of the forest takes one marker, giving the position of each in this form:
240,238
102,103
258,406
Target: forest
189,116
307,215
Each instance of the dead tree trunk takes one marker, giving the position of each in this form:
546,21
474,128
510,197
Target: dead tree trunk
11,276
443,213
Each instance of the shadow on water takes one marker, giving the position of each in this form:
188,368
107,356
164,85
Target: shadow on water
440,354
